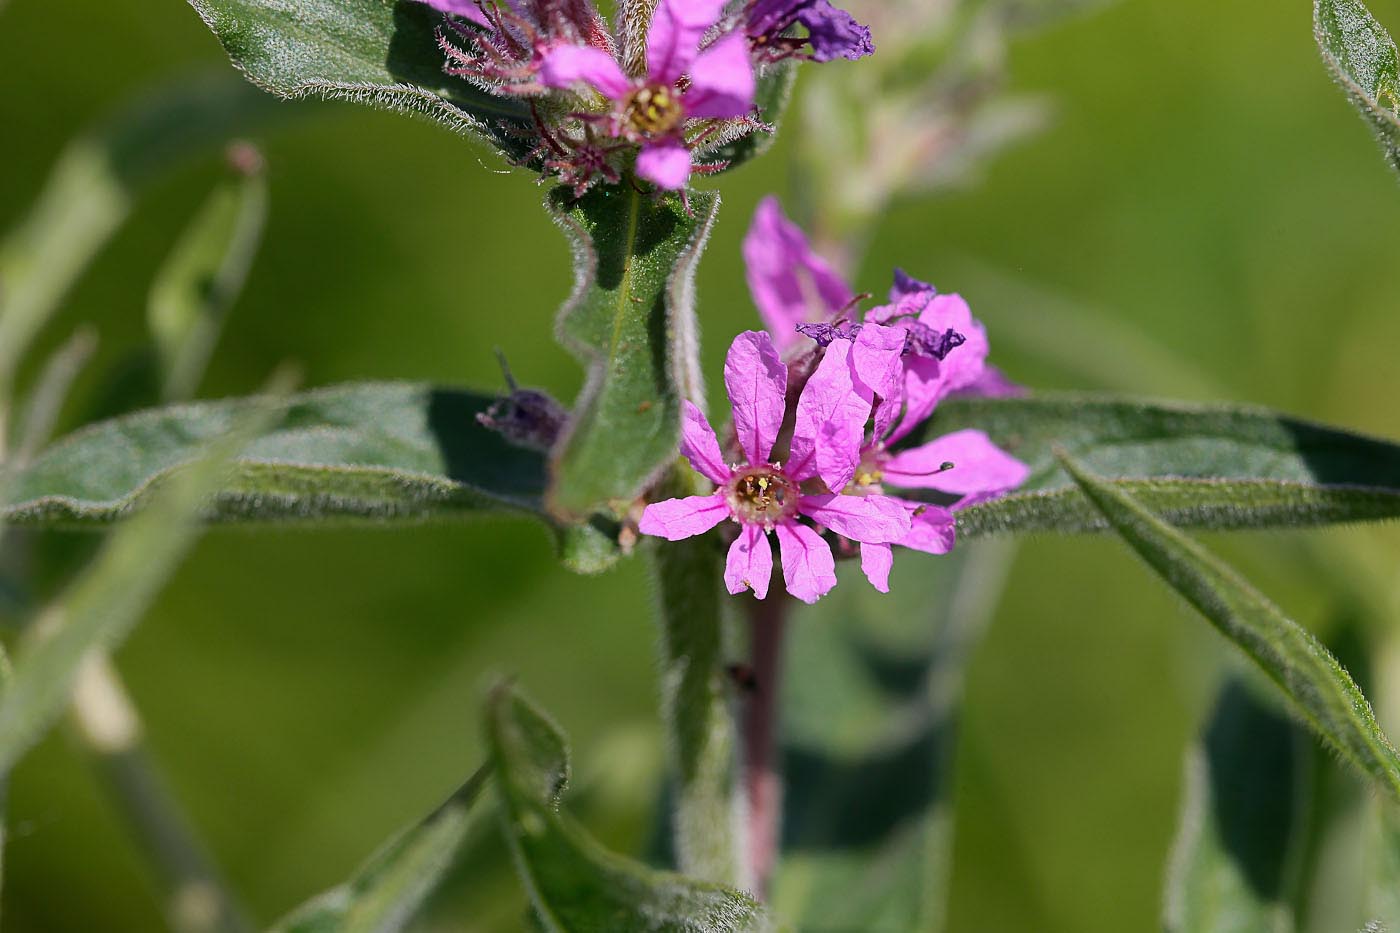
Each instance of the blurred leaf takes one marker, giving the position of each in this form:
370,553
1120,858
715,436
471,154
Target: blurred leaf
1383,890
204,274
631,321
1363,59
696,709
386,894
1234,867
378,52
1319,689
870,727
574,883
1207,466
375,451
92,188
105,602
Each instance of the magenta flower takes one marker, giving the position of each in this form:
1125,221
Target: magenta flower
911,353
653,112
764,496
831,33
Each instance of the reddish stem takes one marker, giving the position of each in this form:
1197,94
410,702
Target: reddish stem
763,785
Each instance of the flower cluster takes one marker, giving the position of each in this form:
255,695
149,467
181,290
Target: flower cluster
691,93
832,462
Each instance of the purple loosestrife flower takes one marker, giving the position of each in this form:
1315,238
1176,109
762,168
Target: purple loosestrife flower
831,33
911,353
766,497
683,83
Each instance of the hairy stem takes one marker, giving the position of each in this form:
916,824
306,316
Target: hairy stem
109,730
763,785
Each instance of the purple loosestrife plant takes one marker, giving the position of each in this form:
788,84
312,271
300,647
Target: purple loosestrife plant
831,33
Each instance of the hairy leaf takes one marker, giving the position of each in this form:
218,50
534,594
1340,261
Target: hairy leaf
1206,466
92,189
574,883
1234,868
388,891
379,52
870,727
631,321
375,451
1317,687
1363,59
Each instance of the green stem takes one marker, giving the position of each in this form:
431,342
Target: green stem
108,729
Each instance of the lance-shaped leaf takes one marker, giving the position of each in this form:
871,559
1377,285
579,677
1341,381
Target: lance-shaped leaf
573,882
1205,466
386,893
870,721
374,451
1363,59
1318,688
378,52
93,187
1235,865
631,321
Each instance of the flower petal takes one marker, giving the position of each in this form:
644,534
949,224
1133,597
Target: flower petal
978,465
756,380
993,383
934,529
721,80
868,519
876,561
906,285
665,164
928,381
700,446
831,416
808,567
878,358
676,519
566,66
673,42
750,562
790,284
467,9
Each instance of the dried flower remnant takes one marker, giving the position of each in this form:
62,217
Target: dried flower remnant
526,417
783,499
830,32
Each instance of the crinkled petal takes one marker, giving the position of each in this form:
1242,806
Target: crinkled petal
868,519
756,380
750,562
566,66
790,284
878,358
677,27
467,9
876,561
978,465
665,164
721,80
808,567
831,415
834,33
700,446
675,519
933,530
927,381
993,383
906,285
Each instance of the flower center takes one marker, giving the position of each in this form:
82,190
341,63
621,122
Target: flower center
762,496
654,110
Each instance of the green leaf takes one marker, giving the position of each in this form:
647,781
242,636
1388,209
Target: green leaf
93,187
1235,864
372,451
574,883
1383,875
378,52
1317,687
102,605
631,321
696,709
1363,59
870,717
388,891
204,275
1202,466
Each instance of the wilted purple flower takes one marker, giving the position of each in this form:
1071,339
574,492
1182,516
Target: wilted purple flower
831,33
654,111
766,497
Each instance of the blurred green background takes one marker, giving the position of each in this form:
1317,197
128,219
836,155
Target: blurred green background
1205,218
